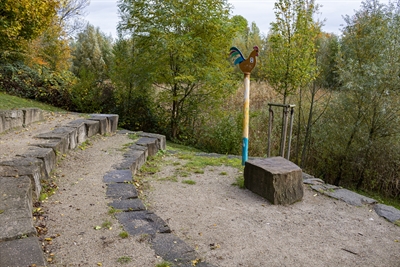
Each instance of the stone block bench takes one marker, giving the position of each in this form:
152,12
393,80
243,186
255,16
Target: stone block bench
276,179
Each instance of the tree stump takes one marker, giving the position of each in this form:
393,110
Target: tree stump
276,179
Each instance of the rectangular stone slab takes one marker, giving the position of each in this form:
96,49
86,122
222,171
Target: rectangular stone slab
142,222
47,155
161,139
118,176
32,115
121,191
276,179
16,206
128,204
22,252
151,144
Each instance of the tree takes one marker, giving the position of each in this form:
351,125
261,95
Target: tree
133,97
23,20
92,53
369,71
291,46
181,48
70,13
291,49
325,60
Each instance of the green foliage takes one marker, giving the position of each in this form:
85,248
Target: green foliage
291,46
132,97
180,47
357,142
92,53
23,20
220,133
36,83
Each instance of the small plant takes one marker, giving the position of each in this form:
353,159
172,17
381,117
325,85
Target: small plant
223,173
107,224
189,182
239,182
124,234
124,259
84,145
164,264
113,210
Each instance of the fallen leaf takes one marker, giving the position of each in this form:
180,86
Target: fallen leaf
48,239
99,264
1,211
97,227
195,262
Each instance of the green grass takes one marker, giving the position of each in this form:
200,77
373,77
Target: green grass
124,259
164,264
381,199
123,234
8,102
191,182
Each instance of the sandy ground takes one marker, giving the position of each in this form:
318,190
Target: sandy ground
226,225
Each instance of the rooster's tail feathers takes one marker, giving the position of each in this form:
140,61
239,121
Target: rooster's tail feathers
235,56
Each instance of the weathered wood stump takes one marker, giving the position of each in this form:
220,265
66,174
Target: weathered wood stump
276,179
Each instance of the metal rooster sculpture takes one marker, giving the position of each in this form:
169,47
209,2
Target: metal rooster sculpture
245,65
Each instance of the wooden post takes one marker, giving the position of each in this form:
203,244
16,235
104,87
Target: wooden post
246,108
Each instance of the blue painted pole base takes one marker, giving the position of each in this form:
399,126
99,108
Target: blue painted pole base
245,150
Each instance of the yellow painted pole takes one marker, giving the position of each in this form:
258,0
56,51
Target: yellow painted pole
246,107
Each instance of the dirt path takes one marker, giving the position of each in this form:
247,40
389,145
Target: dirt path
226,225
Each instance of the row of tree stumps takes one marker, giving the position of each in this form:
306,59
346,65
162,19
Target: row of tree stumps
274,178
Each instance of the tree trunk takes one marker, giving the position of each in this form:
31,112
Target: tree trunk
308,128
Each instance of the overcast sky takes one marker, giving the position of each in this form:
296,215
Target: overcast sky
104,13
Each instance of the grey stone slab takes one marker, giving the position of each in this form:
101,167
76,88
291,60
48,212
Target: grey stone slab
22,252
133,159
121,191
162,141
81,132
34,172
150,143
47,155
345,195
32,115
276,179
173,249
92,126
388,212
103,124
128,204
59,146
72,135
118,176
11,119
16,206
111,121
142,222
